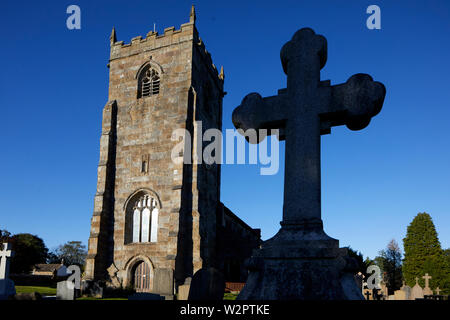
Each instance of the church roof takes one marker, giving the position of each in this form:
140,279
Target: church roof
47,267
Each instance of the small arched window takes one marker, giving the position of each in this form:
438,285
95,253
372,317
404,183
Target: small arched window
148,82
142,219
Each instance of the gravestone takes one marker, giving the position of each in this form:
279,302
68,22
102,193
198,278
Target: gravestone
417,291
207,284
427,290
92,288
183,290
367,294
384,289
407,290
163,283
65,290
400,295
7,288
301,261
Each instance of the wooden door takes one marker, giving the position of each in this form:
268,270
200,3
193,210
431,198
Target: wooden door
142,277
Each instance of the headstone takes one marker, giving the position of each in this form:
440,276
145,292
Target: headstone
384,289
91,288
301,261
400,295
391,297
163,283
407,290
7,288
427,290
207,284
438,291
367,294
183,290
65,290
417,291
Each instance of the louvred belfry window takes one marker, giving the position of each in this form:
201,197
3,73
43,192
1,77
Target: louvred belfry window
149,83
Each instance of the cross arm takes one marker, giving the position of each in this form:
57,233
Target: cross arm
256,112
353,103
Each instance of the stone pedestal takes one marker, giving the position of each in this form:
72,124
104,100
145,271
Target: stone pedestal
301,263
7,289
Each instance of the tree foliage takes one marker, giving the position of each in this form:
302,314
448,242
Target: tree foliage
72,252
28,250
423,254
390,263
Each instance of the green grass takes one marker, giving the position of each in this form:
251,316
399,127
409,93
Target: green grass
230,296
43,291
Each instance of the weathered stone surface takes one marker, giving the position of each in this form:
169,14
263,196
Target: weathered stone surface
65,290
135,160
407,290
183,290
207,284
308,108
7,288
163,281
91,288
417,291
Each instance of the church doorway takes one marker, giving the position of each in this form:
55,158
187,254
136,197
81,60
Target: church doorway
142,277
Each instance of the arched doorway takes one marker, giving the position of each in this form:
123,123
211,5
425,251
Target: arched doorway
142,277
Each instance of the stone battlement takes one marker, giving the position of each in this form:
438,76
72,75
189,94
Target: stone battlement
153,41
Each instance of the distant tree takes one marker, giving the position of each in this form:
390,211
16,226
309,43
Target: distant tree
5,236
53,258
28,250
358,258
390,262
423,254
72,252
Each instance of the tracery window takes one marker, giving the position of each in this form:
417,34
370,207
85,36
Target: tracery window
142,220
149,82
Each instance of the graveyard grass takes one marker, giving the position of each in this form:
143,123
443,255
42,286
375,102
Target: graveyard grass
43,291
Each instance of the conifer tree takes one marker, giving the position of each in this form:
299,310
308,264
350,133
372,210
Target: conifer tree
423,254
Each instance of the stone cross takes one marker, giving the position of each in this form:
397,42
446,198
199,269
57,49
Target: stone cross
427,290
438,291
6,285
427,279
4,263
307,109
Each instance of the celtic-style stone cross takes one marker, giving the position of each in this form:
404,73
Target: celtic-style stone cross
307,109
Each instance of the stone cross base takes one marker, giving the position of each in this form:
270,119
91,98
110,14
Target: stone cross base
296,265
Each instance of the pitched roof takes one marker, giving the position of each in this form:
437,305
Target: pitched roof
47,267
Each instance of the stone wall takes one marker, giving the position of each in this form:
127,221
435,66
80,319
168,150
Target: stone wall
140,129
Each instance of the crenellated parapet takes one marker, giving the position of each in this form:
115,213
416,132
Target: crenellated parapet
187,34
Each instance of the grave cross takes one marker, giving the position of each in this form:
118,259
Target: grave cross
438,291
427,278
307,109
4,263
367,294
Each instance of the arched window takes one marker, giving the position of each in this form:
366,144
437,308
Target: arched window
148,84
142,219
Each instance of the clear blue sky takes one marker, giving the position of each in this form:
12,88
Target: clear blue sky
54,84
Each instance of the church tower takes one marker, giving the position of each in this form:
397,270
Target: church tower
153,217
